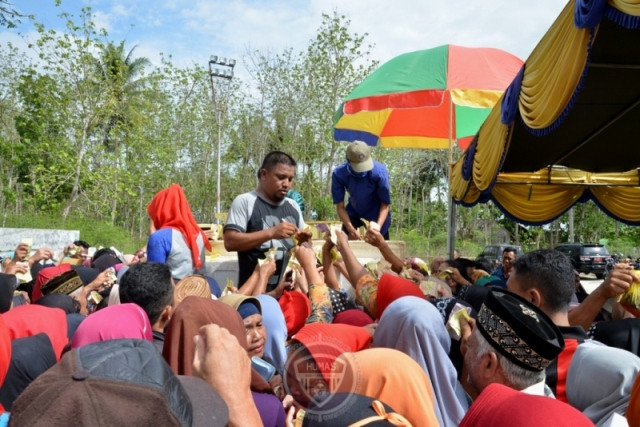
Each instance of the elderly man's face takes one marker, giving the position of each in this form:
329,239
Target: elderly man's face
472,366
507,260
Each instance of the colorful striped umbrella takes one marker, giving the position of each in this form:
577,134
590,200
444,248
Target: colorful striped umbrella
426,99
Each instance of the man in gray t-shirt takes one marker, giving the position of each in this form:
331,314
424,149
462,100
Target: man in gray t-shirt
264,218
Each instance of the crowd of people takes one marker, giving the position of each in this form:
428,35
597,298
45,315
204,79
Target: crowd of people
150,339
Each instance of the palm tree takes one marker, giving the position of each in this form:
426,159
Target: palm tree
121,76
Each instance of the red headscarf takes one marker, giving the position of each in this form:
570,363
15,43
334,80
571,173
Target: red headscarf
391,287
499,405
354,317
44,276
170,209
5,351
295,307
31,319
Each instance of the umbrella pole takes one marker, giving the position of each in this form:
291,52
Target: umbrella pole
451,209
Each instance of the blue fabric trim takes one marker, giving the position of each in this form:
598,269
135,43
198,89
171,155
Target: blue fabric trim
609,213
469,154
355,135
510,99
563,115
588,13
630,22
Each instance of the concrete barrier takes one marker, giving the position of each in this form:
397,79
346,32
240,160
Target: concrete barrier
42,238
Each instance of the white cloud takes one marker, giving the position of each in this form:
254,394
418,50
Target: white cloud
191,30
102,20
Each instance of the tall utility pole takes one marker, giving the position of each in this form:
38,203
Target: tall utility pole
219,68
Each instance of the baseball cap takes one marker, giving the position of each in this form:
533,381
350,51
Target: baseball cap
117,382
359,156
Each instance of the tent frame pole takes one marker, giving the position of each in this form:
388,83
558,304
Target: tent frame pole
451,211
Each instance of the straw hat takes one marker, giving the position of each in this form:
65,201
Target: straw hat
193,284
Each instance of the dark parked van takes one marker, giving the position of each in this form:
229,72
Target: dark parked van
588,258
494,252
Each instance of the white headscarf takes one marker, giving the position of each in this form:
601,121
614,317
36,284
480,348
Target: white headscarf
600,379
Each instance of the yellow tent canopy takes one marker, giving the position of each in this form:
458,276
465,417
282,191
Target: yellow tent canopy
567,129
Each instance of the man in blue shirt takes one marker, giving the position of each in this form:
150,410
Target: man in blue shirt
367,182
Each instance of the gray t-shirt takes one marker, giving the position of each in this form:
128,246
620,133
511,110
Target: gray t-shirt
249,213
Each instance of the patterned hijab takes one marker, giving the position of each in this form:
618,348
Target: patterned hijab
415,327
170,209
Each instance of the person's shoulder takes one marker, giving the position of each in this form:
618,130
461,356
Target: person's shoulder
244,198
340,169
377,166
162,233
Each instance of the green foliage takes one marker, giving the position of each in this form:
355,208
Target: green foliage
89,133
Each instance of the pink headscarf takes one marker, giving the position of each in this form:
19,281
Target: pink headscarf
113,322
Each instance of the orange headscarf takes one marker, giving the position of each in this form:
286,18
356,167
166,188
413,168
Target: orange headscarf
394,378
633,410
170,209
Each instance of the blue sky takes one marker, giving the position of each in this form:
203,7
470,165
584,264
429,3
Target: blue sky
193,30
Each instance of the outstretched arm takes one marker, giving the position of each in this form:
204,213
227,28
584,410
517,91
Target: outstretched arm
383,213
354,268
615,284
374,238
354,234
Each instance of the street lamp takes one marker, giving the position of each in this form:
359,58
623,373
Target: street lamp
219,67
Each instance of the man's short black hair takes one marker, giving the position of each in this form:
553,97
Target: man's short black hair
149,285
509,249
276,158
103,251
484,263
81,243
550,272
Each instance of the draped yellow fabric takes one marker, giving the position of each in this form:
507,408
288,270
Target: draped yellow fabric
491,145
535,203
553,71
624,202
458,184
543,195
630,7
550,78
